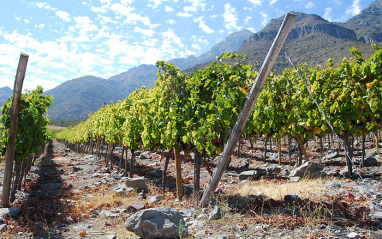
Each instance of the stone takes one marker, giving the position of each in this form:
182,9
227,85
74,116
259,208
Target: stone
370,161
3,227
122,189
307,169
154,199
215,214
112,237
285,172
353,235
89,157
10,212
372,153
161,222
291,198
332,154
156,172
243,164
295,179
145,155
133,208
138,183
187,213
69,220
249,175
274,170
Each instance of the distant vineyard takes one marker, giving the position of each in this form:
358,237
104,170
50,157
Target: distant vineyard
198,111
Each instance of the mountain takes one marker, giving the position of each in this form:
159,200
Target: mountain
143,75
5,93
368,24
75,99
231,43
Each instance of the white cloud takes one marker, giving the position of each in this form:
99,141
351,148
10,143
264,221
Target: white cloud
183,14
169,9
44,5
230,18
170,21
195,4
309,5
327,14
271,2
157,3
63,15
26,21
354,8
256,2
146,32
203,26
247,19
265,19
171,45
196,46
41,26
151,56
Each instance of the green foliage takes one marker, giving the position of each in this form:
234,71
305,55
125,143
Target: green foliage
200,109
32,126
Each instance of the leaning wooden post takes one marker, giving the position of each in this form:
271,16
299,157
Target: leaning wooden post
14,111
248,105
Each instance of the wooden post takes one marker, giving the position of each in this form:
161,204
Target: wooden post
248,105
179,182
14,112
196,176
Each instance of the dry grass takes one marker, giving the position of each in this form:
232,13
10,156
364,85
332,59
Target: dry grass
305,188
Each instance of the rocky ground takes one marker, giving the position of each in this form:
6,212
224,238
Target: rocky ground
70,195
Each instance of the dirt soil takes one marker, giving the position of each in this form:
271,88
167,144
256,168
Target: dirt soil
71,195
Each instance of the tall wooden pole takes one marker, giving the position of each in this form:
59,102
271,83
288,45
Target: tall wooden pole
14,111
248,105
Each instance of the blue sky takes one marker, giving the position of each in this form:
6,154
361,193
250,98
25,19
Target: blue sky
66,39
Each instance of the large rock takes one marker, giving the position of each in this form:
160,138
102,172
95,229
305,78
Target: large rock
332,154
249,175
157,223
9,212
137,183
308,169
370,161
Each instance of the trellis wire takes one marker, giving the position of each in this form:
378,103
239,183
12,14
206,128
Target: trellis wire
332,128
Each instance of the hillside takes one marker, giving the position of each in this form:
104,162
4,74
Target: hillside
78,97
5,93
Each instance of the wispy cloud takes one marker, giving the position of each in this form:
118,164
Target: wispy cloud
354,8
63,15
309,5
256,2
184,14
195,4
230,18
271,2
265,18
203,26
327,14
